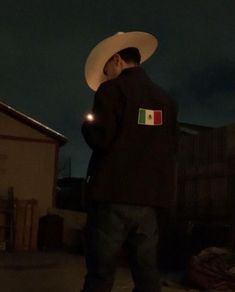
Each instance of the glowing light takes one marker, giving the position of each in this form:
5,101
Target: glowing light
90,117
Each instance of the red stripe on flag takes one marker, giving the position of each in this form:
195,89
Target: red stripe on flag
158,118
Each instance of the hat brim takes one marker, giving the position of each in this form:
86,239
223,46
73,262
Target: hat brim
103,51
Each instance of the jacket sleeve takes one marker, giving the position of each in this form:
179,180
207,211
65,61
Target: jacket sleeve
101,132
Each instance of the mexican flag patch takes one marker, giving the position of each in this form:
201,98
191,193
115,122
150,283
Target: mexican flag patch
150,117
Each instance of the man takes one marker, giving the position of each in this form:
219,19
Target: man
132,132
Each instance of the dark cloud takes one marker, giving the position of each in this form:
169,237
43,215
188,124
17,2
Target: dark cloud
216,78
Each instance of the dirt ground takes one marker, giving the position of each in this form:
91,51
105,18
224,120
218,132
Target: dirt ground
60,272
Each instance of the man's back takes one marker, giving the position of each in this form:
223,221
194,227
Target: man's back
136,163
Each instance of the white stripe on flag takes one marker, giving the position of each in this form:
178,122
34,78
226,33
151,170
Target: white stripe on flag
149,117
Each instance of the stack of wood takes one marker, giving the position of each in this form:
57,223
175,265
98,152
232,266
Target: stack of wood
19,225
26,225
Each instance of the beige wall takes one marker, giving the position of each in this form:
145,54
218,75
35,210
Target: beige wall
29,168
12,127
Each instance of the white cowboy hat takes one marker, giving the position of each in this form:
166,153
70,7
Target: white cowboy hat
104,50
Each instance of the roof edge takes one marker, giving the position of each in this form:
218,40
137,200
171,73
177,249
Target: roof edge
33,123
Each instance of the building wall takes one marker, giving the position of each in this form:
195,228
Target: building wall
27,162
29,168
230,140
206,175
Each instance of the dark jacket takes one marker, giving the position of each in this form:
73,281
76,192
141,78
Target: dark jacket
131,163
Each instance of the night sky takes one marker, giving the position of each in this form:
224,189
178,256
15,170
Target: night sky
44,45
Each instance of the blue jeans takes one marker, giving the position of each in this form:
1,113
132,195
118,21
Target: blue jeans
109,226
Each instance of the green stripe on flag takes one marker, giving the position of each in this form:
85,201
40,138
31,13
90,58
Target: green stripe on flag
141,119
